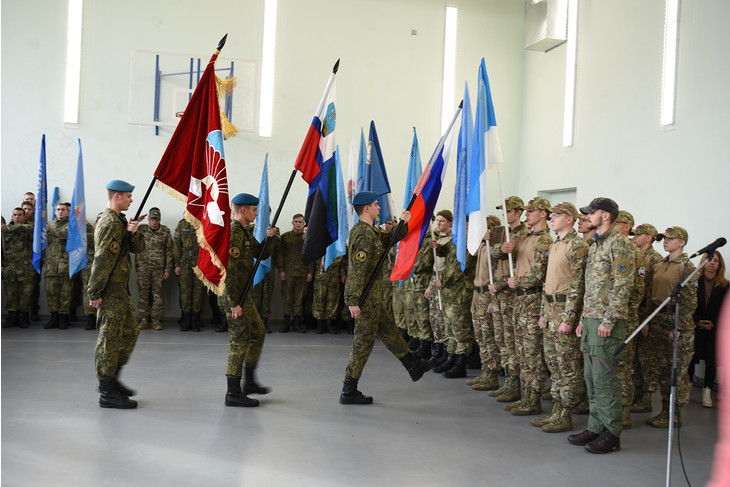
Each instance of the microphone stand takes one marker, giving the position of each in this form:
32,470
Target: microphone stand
673,378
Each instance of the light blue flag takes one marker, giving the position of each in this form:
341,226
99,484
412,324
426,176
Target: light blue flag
76,239
54,202
376,178
339,246
462,163
263,220
361,162
41,210
414,170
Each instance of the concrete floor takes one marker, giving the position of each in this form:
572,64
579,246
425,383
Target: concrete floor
436,432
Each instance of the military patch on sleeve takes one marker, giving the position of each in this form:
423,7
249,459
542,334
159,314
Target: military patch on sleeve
622,266
642,271
361,255
234,252
114,247
547,255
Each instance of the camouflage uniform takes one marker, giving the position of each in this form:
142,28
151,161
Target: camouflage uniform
151,265
482,320
289,260
647,346
55,269
419,282
247,332
365,247
109,280
327,285
456,295
626,363
18,272
436,313
609,279
185,256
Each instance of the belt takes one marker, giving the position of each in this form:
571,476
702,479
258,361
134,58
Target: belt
523,292
555,298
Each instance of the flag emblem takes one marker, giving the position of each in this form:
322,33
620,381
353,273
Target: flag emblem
330,120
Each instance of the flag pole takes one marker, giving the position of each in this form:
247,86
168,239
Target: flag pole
251,276
504,213
416,192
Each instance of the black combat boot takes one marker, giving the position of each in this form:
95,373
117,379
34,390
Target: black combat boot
415,366
11,320
185,324
297,325
91,323
458,369
197,322
53,322
287,327
331,327
63,322
350,394
413,343
112,397
266,324
320,327
124,390
424,351
446,364
236,398
250,386
24,320
474,361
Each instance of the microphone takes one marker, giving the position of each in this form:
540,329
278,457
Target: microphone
710,248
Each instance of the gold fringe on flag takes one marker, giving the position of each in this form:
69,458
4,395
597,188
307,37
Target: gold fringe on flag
229,130
226,86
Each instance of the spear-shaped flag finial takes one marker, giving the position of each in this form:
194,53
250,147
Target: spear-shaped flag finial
336,66
222,42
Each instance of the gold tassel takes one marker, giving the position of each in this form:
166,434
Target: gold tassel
229,130
226,86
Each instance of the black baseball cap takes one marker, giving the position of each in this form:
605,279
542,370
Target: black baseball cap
605,204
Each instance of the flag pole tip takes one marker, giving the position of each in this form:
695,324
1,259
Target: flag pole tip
336,67
222,42
461,104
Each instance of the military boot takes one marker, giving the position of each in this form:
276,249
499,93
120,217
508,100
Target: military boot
11,320
91,323
286,328
661,420
266,324
331,327
479,378
415,366
550,417
532,404
562,422
458,370
63,321
250,386
512,393
625,417
350,394
446,364
413,343
24,320
473,361
298,326
607,442
490,381
424,350
124,390
112,397
643,403
53,322
236,398
320,327
144,324
500,390
197,322
156,325
185,324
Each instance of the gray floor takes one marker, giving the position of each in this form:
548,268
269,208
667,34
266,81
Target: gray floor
435,432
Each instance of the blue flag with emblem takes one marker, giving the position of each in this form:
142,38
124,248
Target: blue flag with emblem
76,239
462,164
41,210
263,220
339,247
375,178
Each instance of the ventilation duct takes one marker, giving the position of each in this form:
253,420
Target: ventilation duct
546,24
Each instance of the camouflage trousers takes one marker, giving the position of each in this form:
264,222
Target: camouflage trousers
647,351
502,310
19,290
262,293
388,300
402,319
245,339
117,336
295,290
371,324
528,340
626,365
88,309
685,352
484,330
191,291
563,358
58,294
419,308
458,323
435,312
149,285
326,297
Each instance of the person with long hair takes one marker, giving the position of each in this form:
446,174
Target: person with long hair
711,290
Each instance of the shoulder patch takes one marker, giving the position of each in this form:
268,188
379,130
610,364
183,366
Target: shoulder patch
622,266
361,256
547,254
696,284
234,252
114,247
641,271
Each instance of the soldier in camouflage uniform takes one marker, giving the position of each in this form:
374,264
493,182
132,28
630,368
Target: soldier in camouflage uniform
18,271
327,286
609,278
674,268
108,292
649,340
295,275
365,248
625,222
418,305
153,268
185,257
264,290
245,328
504,303
444,219
562,302
530,265
55,270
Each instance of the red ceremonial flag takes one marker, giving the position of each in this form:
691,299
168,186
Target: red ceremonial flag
193,169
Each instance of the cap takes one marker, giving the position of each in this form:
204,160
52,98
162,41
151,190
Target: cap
605,204
245,199
513,203
119,186
446,214
154,213
538,203
566,207
364,198
625,217
646,229
674,232
493,221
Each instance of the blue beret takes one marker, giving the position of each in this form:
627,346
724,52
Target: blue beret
119,185
364,198
245,199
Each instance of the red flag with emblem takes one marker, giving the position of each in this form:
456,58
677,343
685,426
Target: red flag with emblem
193,169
